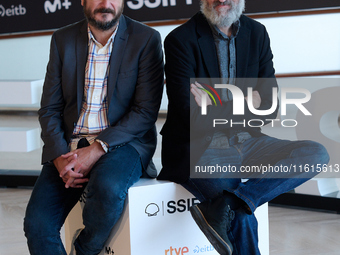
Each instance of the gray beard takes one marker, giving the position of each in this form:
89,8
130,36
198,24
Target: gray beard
223,21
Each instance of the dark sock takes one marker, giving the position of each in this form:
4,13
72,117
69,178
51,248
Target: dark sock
232,200
235,202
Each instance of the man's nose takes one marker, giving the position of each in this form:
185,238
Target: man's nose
105,3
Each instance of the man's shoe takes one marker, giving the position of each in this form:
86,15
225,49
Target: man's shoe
214,219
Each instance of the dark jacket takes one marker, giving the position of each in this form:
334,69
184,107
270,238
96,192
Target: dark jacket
134,89
191,53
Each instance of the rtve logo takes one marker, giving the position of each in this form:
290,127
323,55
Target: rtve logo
52,7
12,11
137,4
185,249
177,251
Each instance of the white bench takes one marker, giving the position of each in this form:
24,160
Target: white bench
20,93
19,139
156,220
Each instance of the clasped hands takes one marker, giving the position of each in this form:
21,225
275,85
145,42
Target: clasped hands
196,90
75,166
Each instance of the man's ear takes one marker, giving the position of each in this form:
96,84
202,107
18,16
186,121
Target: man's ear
82,2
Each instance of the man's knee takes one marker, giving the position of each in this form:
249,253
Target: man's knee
322,153
110,191
105,195
28,226
316,151
35,226
39,223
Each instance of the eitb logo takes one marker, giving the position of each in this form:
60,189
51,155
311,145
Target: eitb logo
12,10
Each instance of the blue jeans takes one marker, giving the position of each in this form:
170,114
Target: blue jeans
50,203
256,191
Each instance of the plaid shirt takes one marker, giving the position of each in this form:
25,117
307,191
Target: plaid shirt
93,115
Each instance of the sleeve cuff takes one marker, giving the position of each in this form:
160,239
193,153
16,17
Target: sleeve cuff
103,144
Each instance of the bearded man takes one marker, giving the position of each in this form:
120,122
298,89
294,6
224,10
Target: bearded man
100,101
220,42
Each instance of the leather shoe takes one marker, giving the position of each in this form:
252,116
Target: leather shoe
214,219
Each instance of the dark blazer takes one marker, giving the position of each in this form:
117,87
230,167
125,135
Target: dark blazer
135,85
191,53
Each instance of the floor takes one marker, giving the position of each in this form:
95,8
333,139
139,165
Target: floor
12,208
302,232
292,231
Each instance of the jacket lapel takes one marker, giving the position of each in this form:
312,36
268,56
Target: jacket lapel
117,54
206,40
82,51
207,46
242,51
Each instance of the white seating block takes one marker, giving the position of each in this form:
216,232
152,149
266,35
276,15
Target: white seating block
156,220
20,92
16,139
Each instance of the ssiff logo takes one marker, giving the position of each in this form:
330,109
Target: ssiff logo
137,4
152,209
170,207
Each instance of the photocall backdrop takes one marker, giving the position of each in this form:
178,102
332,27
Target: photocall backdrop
26,16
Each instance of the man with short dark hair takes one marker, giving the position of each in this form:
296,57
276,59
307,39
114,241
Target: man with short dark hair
220,42
100,101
